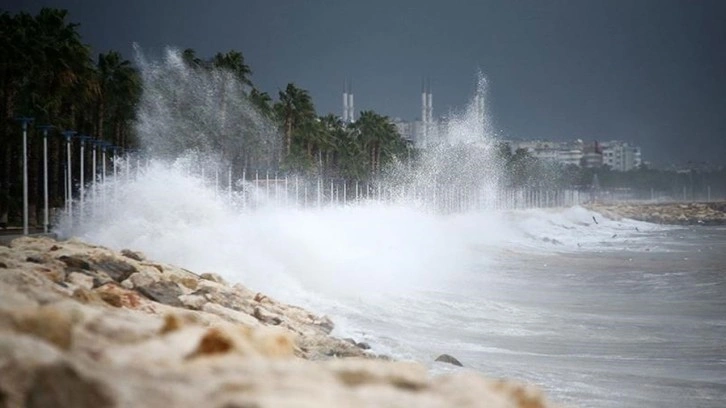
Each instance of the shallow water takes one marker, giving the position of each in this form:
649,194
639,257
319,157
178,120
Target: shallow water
619,324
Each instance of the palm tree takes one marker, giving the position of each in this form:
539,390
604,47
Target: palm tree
262,102
189,56
294,108
380,138
234,62
119,87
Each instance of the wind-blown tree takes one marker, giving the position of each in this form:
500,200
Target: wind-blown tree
262,102
43,65
189,56
119,87
294,108
346,153
380,138
234,62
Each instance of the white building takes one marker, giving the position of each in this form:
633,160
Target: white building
570,157
620,156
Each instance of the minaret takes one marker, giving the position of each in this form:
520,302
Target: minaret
351,105
345,101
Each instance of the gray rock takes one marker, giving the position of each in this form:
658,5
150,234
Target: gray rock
213,277
75,262
35,259
227,298
163,292
135,255
116,270
445,358
62,386
326,324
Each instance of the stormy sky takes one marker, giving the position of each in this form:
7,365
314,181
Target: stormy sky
652,72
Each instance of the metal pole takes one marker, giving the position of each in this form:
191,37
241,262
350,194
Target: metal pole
114,150
45,179
83,188
286,191
103,163
69,175
297,190
94,144
319,196
25,122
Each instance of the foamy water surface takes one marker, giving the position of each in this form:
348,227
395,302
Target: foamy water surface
599,312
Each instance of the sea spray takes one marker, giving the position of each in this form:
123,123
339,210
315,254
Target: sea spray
174,209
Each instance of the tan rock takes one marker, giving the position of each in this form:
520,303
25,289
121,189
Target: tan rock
80,280
47,323
213,277
112,346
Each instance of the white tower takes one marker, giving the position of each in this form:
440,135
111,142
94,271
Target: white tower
351,107
345,101
348,102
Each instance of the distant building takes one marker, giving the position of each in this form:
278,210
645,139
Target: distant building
621,156
570,157
618,155
591,156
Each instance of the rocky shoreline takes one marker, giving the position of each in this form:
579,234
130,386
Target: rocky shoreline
85,326
711,213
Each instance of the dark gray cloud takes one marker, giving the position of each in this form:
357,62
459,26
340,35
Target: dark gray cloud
649,71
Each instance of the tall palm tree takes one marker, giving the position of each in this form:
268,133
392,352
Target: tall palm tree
119,87
294,108
380,138
189,56
234,62
262,102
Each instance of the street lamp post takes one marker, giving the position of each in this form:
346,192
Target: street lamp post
115,150
103,145
46,216
83,139
25,122
68,134
94,143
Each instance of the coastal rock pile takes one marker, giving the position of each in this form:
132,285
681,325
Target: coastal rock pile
84,326
713,213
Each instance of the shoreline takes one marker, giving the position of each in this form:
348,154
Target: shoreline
696,213
82,325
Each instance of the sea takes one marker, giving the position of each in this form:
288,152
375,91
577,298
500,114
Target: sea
598,312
